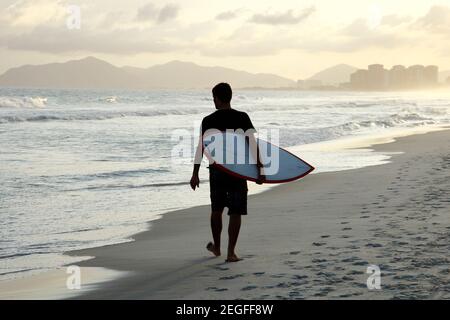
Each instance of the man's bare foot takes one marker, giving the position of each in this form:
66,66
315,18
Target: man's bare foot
210,247
233,258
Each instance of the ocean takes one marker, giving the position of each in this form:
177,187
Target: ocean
87,168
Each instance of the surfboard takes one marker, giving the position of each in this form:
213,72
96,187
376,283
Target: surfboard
231,152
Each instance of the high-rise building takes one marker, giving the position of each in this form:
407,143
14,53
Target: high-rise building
416,76
397,77
377,77
431,75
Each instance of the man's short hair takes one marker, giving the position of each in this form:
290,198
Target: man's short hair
223,92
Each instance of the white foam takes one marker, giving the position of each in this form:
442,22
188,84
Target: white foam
22,102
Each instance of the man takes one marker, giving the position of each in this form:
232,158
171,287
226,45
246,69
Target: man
225,190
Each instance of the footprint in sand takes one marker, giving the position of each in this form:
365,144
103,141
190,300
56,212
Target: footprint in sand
295,294
354,273
249,288
323,292
221,268
281,275
211,288
374,245
351,259
231,277
216,289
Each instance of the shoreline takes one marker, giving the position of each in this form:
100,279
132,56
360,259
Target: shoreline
158,271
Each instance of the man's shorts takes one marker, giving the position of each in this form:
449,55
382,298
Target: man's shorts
227,191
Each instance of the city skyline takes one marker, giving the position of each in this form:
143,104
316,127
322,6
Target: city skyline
399,77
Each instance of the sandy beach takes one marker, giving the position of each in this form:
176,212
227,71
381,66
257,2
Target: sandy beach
310,239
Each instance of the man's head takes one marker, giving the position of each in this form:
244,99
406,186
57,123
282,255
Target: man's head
222,94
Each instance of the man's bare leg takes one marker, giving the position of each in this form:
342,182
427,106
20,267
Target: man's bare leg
216,228
233,232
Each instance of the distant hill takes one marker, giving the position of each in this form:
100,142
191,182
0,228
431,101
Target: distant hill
86,73
94,73
334,75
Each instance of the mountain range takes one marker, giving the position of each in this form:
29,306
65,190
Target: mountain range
94,73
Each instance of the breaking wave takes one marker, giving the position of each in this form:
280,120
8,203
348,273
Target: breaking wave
22,102
94,116
392,121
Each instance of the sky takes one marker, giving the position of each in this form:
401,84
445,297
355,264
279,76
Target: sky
290,38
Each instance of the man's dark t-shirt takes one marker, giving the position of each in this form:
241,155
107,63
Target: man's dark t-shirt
226,190
227,119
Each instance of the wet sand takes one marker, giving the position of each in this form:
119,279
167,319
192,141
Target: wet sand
310,239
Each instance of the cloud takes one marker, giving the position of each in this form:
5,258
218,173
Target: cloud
30,13
357,28
150,12
394,20
110,32
23,26
58,40
437,20
228,15
168,12
147,12
284,18
358,35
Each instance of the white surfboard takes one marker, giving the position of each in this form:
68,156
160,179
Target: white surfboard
230,152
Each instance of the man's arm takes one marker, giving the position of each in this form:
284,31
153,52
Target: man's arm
254,147
195,181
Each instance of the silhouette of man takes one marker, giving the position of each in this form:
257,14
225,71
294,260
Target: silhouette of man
225,190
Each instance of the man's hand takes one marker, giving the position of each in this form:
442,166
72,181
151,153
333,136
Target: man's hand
261,176
195,181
